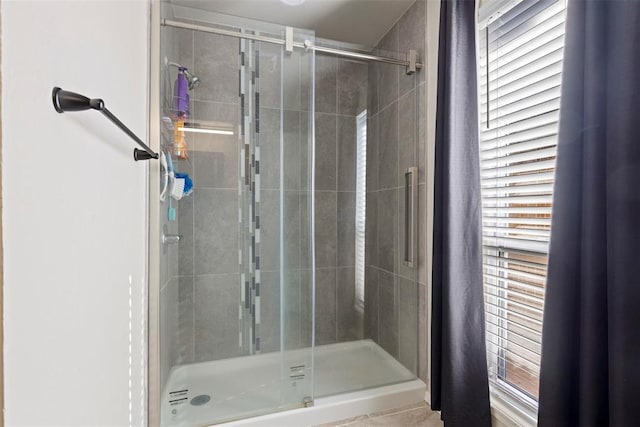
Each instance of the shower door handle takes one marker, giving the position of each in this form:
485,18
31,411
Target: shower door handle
410,215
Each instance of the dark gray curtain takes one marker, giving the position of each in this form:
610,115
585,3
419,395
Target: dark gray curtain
459,383
590,372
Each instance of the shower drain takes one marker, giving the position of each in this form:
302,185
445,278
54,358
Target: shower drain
200,400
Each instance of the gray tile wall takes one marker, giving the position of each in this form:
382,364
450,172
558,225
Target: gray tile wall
341,94
395,295
208,220
290,284
208,274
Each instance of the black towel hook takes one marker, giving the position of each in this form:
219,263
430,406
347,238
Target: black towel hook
70,101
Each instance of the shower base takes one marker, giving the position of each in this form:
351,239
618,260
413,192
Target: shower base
245,388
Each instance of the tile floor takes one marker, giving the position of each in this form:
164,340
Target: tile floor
414,415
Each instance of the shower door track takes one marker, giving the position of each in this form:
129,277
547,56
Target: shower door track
411,64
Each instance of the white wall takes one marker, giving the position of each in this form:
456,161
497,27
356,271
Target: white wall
74,213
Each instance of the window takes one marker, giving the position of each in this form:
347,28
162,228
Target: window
361,203
520,66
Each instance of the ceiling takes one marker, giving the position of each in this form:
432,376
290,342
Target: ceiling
361,22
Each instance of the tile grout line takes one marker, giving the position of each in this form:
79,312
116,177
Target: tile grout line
425,406
376,116
337,174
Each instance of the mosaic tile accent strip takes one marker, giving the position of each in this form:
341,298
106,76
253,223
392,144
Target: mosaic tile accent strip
249,194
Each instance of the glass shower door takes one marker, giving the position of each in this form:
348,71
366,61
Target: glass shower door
276,139
236,308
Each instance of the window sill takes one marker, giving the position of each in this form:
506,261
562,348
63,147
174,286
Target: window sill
508,412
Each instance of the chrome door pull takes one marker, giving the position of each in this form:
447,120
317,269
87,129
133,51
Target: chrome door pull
169,239
410,215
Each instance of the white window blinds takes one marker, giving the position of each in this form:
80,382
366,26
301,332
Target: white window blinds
520,63
361,203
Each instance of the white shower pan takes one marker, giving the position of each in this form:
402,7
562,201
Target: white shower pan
230,391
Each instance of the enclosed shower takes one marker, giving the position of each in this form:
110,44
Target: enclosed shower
290,187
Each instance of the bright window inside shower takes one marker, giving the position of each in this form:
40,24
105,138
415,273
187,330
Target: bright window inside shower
361,207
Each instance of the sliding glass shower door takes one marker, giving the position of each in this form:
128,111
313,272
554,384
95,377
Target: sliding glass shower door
237,280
